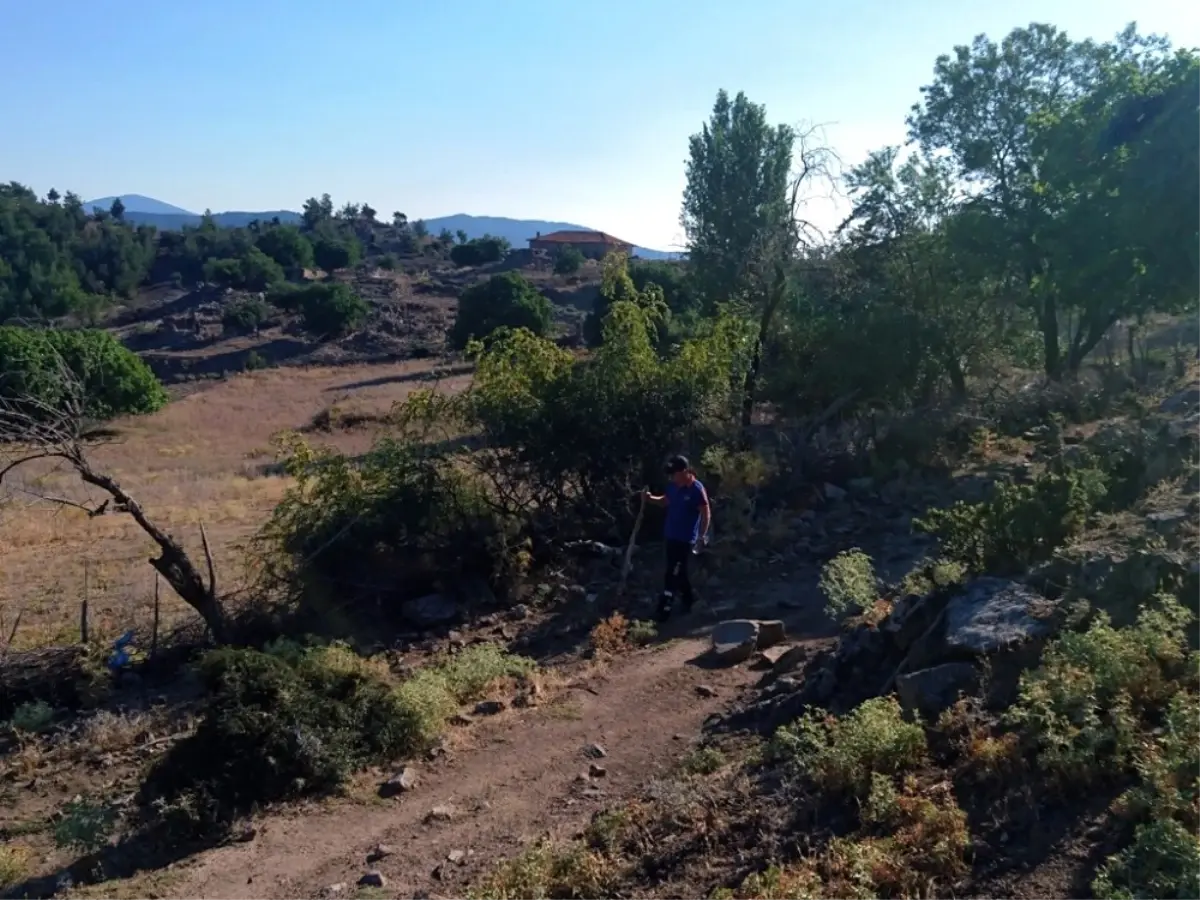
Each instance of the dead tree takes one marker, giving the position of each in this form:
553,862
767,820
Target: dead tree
33,429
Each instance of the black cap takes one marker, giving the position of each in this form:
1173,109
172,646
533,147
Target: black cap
677,464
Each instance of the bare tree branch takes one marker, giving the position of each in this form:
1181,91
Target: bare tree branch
33,428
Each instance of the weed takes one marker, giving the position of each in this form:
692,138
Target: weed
776,883
848,582
611,635
642,631
703,761
607,829
14,864
1081,708
930,575
33,717
435,693
1020,523
1162,861
548,871
841,754
109,732
84,825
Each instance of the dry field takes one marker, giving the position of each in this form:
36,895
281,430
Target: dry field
202,459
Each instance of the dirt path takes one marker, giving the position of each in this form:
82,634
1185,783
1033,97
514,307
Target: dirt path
519,779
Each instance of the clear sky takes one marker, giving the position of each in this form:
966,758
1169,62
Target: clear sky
525,108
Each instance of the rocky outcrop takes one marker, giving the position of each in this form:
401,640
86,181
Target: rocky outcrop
929,650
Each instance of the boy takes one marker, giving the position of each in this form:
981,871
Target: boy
688,519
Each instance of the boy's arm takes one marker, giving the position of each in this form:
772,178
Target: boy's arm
655,499
705,514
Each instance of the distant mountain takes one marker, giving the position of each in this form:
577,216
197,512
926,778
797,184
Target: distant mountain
516,231
136,203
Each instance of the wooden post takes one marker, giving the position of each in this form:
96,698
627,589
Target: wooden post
154,631
83,607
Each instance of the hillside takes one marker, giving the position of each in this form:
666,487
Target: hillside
146,211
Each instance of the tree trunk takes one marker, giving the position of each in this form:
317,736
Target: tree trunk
1049,325
173,562
750,387
958,378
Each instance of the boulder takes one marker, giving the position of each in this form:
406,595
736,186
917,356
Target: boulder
430,610
770,633
403,781
992,614
929,691
735,640
1182,401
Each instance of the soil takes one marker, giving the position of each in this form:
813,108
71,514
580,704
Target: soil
519,776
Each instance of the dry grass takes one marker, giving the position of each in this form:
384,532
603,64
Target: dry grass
202,459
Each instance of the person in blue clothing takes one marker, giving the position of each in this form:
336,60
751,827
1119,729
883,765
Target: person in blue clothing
688,519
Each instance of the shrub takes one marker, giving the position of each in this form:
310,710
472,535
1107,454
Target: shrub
546,870
841,754
287,246
616,286
113,379
1020,523
848,582
479,251
255,271
33,717
332,251
84,825
326,309
1163,861
1080,710
246,315
568,261
399,514
14,864
275,728
503,301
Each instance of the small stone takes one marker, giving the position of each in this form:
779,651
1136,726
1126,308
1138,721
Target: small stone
372,879
440,814
489,707
592,793
520,611
402,782
595,770
595,751
247,834
461,720
770,633
336,888
705,691
381,851
734,640
437,872
458,857
833,492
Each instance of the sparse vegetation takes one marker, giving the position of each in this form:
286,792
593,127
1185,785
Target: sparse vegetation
848,583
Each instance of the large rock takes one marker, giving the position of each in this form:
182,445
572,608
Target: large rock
1187,399
735,640
993,614
770,633
430,610
929,691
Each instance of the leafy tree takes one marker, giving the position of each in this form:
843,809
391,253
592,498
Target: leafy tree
568,261
288,246
420,229
479,251
317,212
115,381
117,210
616,286
246,315
255,271
399,221
461,236
503,301
326,309
332,251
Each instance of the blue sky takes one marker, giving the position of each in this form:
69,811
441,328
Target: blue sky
525,108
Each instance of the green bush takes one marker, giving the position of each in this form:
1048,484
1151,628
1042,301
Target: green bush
844,754
503,301
1163,861
246,315
332,251
274,729
287,246
1020,523
1081,710
479,251
848,583
114,380
253,272
326,308
568,261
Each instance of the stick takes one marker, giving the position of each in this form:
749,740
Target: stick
154,633
627,564
83,607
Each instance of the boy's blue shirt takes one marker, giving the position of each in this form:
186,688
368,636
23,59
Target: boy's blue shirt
683,511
